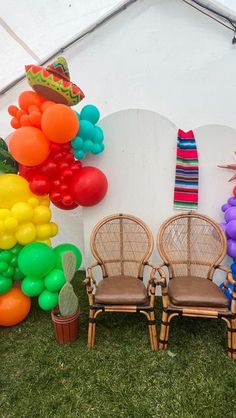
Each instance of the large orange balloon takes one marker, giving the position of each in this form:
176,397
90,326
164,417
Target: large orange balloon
59,123
29,146
28,98
14,307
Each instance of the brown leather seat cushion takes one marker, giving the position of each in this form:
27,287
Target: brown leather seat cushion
121,290
196,291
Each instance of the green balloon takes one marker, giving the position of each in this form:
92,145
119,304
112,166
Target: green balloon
32,286
62,249
36,259
48,300
5,285
15,250
54,280
9,272
3,266
18,274
14,261
5,256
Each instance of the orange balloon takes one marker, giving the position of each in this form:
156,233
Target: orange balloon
29,146
14,307
28,98
25,121
15,123
59,123
47,104
35,118
12,110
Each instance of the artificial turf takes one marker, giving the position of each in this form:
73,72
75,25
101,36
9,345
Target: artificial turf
121,376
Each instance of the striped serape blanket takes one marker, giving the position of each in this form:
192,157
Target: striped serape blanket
186,177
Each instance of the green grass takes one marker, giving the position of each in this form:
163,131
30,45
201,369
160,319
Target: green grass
121,376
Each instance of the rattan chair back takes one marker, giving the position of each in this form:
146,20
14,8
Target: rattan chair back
121,244
191,244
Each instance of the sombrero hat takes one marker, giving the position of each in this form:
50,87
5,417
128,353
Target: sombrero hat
53,82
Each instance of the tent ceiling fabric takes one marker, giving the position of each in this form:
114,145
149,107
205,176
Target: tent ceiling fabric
44,27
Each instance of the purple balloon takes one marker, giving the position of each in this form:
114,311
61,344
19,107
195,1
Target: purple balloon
231,229
223,226
231,249
225,207
230,214
232,201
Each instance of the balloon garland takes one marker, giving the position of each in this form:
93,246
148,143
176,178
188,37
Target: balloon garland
43,165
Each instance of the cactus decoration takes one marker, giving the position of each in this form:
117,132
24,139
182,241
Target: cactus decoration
68,301
7,163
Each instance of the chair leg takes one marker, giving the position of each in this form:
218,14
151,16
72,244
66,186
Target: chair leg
91,330
232,338
154,331
164,333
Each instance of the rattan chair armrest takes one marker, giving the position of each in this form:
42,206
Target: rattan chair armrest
229,277
90,280
158,269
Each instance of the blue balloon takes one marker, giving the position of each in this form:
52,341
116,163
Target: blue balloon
79,154
233,267
98,136
88,146
77,143
90,113
86,130
227,292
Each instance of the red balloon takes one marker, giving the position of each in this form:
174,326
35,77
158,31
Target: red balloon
234,191
40,185
28,172
60,205
88,186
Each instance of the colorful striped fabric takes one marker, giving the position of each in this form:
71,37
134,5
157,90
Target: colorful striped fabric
186,177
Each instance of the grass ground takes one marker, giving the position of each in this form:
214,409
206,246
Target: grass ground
121,376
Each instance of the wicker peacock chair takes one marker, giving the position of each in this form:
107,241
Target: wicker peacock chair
122,245
192,247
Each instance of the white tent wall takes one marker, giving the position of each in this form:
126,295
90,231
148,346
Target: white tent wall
178,65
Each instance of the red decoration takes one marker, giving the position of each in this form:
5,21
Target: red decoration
89,186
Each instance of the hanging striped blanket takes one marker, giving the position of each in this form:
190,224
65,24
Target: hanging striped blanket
186,177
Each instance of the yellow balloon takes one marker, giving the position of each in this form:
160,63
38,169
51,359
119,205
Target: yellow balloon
43,231
54,229
22,211
42,215
46,241
26,233
33,201
11,223
2,226
45,201
13,189
7,241
4,213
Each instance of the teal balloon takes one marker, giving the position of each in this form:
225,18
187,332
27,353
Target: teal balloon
3,266
90,113
36,259
55,280
9,272
97,149
5,256
86,130
98,136
88,146
77,143
48,300
79,154
5,284
78,115
18,274
16,249
31,286
61,249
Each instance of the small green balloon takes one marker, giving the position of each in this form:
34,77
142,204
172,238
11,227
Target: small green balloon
48,300
15,250
14,261
5,256
36,259
9,272
61,249
5,285
18,274
3,266
32,286
54,280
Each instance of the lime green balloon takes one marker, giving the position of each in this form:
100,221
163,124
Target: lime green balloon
16,249
9,272
54,280
5,256
32,286
14,261
36,259
3,266
5,284
18,274
48,300
61,249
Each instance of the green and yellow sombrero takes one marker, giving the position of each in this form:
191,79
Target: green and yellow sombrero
53,82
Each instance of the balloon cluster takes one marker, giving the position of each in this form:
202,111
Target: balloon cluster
229,226
89,138
42,267
24,217
9,269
